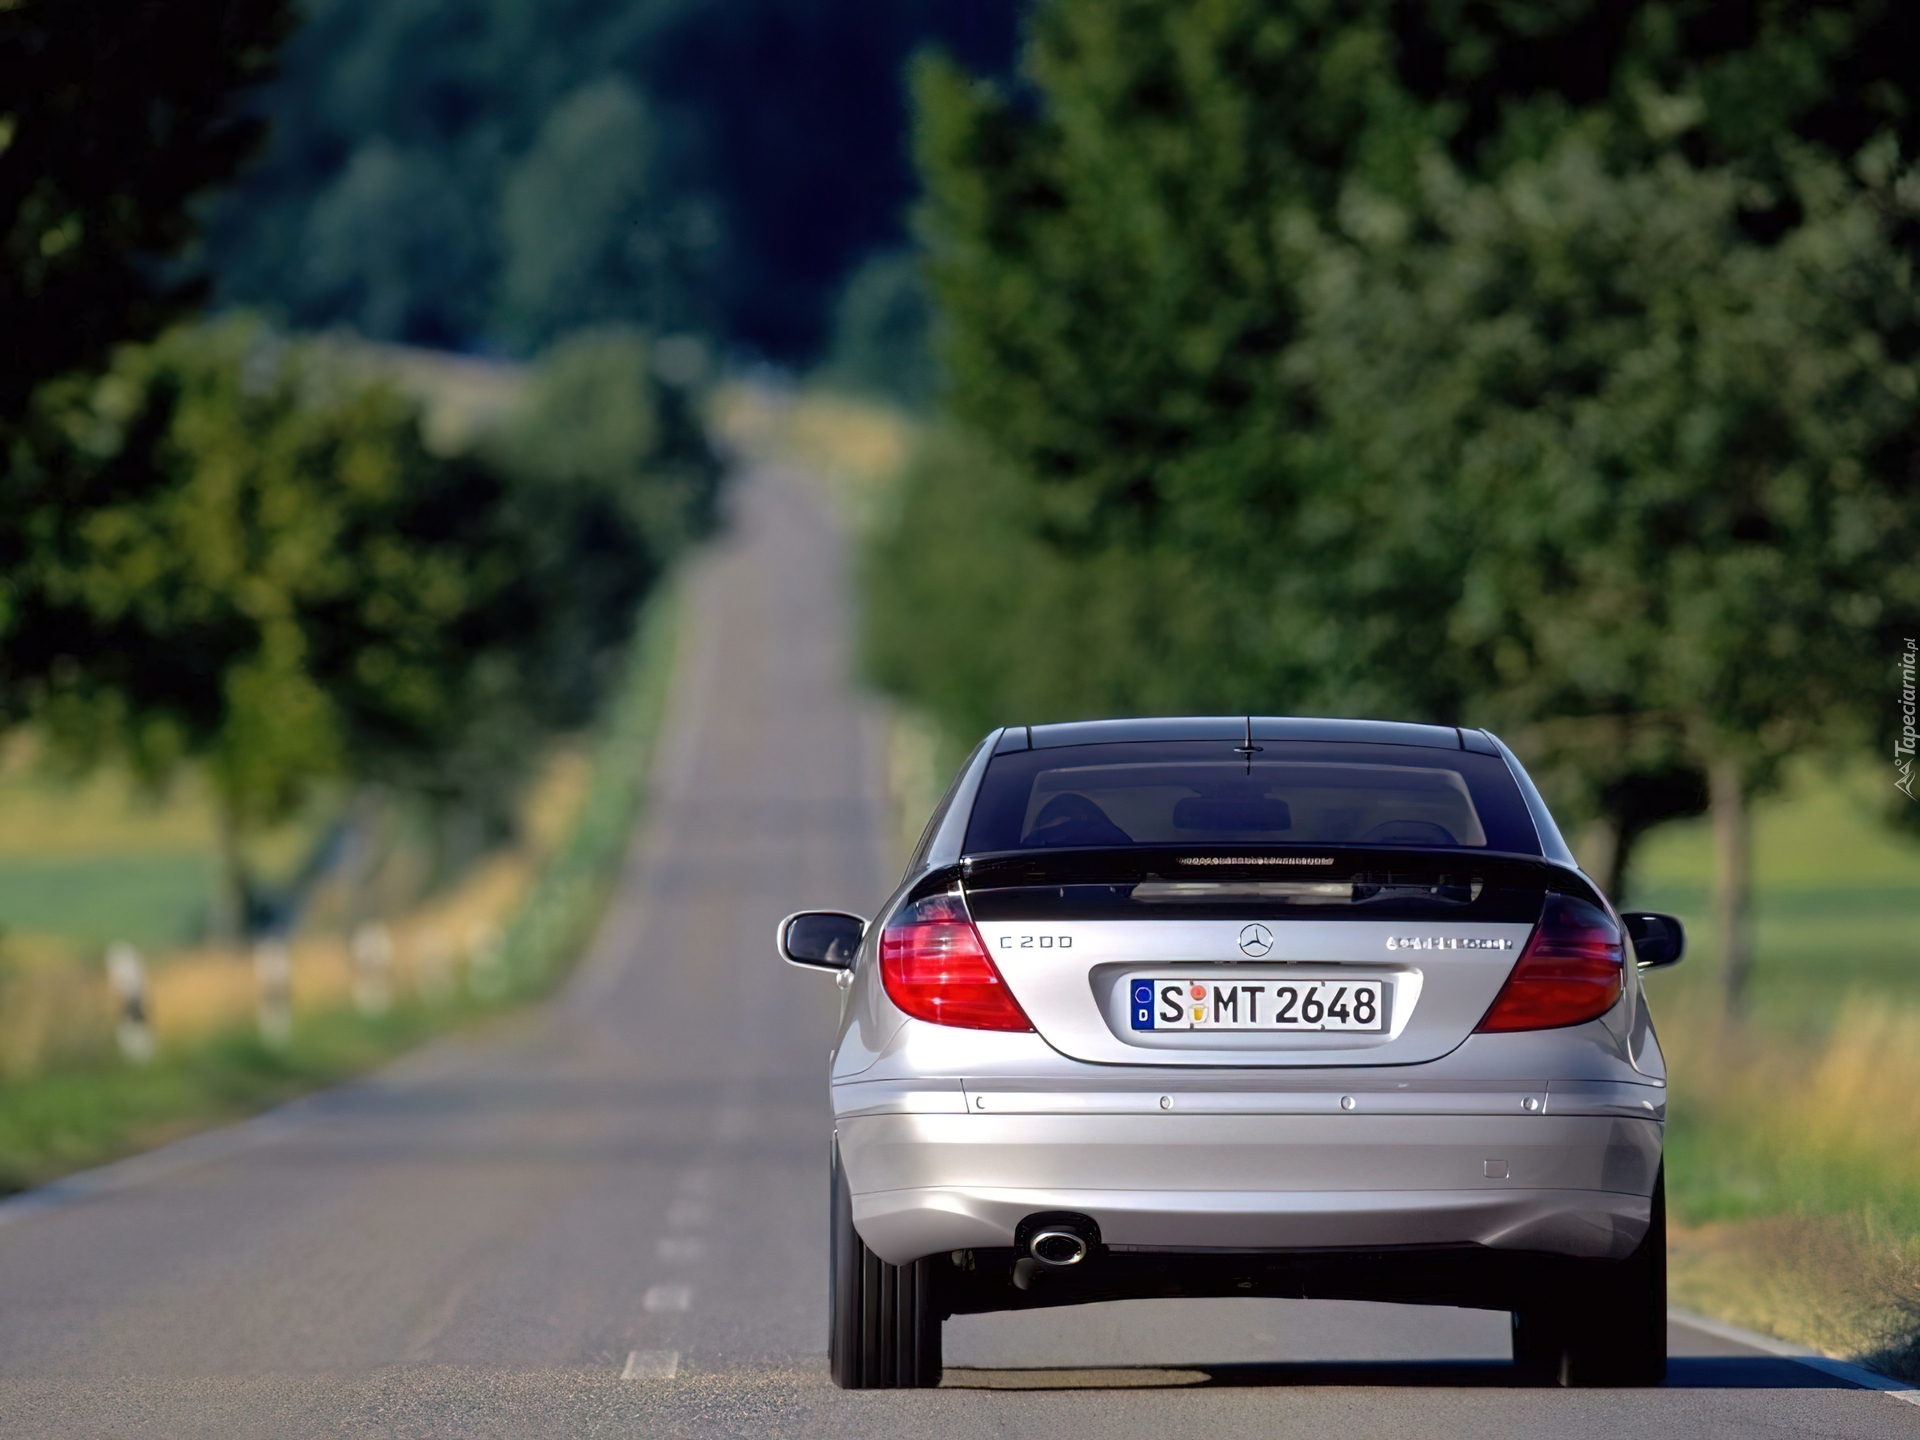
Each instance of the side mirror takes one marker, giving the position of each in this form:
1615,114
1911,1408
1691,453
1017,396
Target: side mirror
1657,939
820,939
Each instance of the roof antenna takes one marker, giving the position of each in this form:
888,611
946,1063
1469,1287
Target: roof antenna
1248,750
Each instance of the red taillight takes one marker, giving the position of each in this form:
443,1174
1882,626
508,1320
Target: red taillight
936,967
1570,971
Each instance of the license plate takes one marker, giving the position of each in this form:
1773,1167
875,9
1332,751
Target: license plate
1352,1004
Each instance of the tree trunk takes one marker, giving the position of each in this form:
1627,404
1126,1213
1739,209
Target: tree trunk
1732,879
230,918
1605,846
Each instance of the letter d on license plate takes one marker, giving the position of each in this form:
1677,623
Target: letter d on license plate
1355,1003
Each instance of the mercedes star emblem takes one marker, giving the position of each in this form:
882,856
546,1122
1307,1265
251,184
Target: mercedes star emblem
1256,940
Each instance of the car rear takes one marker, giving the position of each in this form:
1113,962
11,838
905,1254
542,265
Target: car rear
1282,1006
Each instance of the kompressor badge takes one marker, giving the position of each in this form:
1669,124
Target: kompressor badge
1445,942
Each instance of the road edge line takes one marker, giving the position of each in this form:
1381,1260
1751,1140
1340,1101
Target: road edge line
1857,1375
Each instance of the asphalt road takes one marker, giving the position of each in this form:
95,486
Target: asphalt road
608,1217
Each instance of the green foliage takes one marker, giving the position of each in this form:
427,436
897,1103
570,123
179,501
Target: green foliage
243,557
151,900
243,554
983,622
112,119
1670,460
1108,269
1118,299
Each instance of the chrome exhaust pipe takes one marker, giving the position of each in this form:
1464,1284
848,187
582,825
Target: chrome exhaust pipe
1052,1240
1057,1248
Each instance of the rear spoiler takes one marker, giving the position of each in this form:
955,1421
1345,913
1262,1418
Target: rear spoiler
1134,863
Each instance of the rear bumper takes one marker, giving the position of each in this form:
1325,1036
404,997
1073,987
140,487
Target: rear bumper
1575,1185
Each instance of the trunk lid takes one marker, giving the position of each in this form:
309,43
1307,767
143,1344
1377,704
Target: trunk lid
1225,939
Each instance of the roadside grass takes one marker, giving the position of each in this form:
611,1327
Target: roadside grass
1765,1123
1793,1144
1793,1169
70,1119
502,937
1839,1283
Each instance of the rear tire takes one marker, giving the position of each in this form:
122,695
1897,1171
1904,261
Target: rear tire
1608,1331
883,1330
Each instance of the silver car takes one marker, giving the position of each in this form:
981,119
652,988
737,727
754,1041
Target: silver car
1245,1006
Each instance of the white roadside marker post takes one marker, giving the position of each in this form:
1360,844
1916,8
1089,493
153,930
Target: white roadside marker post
273,973
434,979
651,1365
128,979
372,951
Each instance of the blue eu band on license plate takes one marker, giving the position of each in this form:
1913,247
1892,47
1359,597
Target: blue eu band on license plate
1356,1004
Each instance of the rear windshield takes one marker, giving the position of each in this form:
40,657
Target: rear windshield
1199,792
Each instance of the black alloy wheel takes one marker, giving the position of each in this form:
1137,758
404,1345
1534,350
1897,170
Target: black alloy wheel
883,1330
1612,1331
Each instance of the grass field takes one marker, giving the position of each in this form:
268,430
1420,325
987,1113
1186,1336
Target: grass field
71,1118
155,901
1837,899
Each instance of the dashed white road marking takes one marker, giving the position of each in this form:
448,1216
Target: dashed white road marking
651,1365
686,1214
436,1323
668,1299
681,1248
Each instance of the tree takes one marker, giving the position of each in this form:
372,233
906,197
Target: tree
1680,460
243,561
245,557
113,121
1117,301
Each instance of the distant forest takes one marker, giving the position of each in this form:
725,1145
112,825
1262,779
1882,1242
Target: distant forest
489,174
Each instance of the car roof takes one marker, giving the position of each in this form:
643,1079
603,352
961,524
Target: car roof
1235,727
